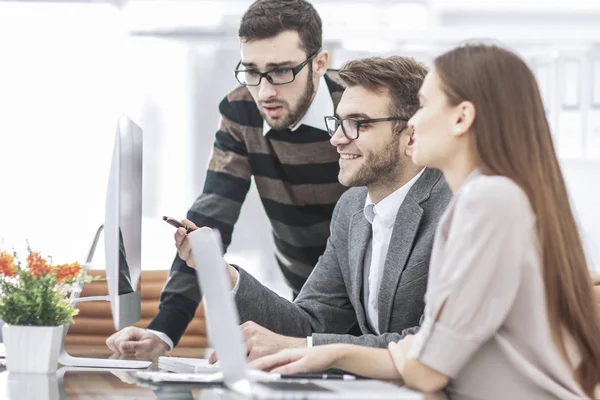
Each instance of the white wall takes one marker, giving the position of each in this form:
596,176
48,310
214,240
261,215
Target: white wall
583,182
58,106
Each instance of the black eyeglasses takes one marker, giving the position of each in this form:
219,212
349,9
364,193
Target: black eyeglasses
276,76
351,126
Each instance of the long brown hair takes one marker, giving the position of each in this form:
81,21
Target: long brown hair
512,139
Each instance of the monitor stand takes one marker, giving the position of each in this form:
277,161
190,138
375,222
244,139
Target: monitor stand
68,360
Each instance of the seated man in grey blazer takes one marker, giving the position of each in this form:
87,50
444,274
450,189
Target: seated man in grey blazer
374,270
371,280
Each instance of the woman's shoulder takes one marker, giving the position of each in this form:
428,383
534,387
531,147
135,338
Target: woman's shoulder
495,193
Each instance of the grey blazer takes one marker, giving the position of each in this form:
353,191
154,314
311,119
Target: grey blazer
331,301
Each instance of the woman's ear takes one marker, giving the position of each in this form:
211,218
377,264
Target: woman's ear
409,131
465,118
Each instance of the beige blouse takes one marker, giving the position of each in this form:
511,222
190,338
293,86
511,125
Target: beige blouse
492,337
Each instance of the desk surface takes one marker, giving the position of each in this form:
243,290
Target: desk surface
73,383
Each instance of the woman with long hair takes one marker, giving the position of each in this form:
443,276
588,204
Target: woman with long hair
510,312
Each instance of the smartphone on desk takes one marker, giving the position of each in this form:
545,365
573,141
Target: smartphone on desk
177,224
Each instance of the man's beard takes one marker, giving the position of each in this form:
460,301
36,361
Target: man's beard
378,168
293,116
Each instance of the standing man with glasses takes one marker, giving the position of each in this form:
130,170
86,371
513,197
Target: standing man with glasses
374,270
271,130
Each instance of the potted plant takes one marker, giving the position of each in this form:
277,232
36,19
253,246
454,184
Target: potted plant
34,304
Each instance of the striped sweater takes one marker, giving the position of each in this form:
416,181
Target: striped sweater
296,177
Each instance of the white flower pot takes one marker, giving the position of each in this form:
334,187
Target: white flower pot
32,349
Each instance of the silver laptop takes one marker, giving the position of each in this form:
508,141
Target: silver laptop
225,336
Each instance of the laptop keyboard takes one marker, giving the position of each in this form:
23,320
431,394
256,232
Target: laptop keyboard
294,386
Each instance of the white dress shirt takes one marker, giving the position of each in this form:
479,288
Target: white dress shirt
382,217
164,337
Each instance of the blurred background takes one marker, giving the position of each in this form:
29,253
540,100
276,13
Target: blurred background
68,69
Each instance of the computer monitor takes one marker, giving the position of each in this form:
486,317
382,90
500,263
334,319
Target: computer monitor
123,225
122,241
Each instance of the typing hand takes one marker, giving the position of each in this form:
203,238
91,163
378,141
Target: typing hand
184,249
400,350
261,341
296,361
136,340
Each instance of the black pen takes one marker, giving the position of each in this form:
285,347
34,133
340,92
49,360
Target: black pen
177,224
344,377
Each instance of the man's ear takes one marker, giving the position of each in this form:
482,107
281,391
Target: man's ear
410,140
320,63
465,117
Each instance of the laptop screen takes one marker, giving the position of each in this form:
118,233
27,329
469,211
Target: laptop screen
219,307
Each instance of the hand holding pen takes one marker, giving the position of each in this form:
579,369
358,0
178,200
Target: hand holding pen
184,249
178,224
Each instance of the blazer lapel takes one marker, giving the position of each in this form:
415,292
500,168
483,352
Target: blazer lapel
404,233
358,240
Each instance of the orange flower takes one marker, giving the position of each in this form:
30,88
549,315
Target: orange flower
7,265
66,272
38,265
